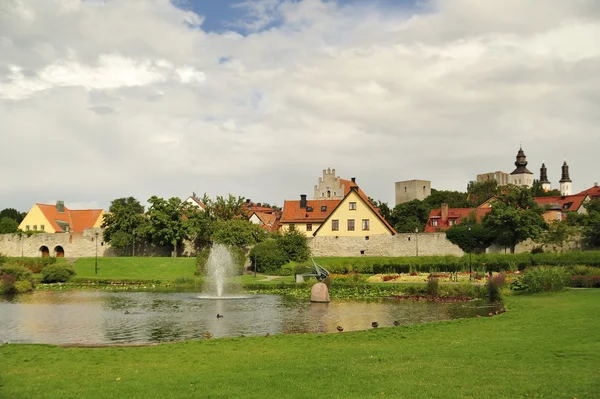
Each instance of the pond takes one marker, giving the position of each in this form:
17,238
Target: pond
98,318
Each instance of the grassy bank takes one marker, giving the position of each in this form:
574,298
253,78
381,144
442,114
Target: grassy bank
545,346
135,268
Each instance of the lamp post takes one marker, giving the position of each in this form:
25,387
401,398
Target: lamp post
471,250
96,264
417,239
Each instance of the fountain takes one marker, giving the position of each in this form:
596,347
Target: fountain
220,272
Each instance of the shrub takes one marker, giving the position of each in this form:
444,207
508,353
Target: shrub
57,274
35,264
23,286
494,287
267,257
7,284
545,278
3,259
19,273
433,287
585,281
201,259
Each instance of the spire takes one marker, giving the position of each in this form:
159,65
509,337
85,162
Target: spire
565,173
544,174
521,163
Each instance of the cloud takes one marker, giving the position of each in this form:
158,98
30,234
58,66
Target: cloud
100,100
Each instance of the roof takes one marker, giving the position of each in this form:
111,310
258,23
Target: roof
365,199
269,221
292,213
455,214
567,203
254,207
77,220
196,201
593,192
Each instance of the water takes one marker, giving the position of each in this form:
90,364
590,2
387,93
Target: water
95,317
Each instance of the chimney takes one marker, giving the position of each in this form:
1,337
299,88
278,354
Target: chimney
248,201
60,206
444,212
595,184
258,204
303,201
353,180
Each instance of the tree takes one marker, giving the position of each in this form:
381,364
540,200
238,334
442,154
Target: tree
238,232
515,217
124,222
471,238
479,192
267,257
558,233
294,245
200,226
8,225
224,208
410,216
166,222
589,223
537,190
454,199
12,213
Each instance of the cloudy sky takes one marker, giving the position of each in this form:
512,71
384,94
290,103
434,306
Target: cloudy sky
113,98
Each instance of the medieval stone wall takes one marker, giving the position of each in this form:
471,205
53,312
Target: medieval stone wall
399,245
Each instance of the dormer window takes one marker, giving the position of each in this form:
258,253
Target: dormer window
324,208
309,209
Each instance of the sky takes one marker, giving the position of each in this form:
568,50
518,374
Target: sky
102,99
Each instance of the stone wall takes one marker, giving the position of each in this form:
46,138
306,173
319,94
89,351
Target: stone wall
76,245
424,244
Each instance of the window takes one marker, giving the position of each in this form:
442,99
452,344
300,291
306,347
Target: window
558,216
350,224
328,193
35,227
292,225
324,208
42,227
365,224
352,206
434,222
335,225
309,209
27,227
452,222
308,226
322,194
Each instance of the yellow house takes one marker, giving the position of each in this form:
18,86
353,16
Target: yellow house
59,219
352,216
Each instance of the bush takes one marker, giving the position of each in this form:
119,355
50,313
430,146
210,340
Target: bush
494,287
57,274
23,286
19,273
585,281
7,284
3,259
433,287
267,257
201,259
545,278
294,245
35,264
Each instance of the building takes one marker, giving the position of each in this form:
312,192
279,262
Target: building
352,215
443,218
409,190
59,219
521,176
593,192
557,207
195,202
268,221
502,178
331,186
565,180
546,186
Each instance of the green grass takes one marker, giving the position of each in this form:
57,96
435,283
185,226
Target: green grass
135,268
545,346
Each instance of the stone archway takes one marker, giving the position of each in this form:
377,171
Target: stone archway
44,251
59,252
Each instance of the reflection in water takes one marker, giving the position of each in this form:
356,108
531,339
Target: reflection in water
103,317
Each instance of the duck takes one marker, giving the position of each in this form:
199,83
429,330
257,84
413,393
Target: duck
490,314
219,315
267,335
340,328
375,324
396,323
207,335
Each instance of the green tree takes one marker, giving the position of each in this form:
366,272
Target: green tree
166,222
294,245
125,222
454,199
589,223
224,208
267,257
478,193
200,226
238,232
515,217
537,190
470,236
410,216
558,233
13,214
8,225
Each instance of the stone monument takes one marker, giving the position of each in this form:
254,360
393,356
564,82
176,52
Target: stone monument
319,293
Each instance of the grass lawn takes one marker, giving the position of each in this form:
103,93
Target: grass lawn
134,268
545,346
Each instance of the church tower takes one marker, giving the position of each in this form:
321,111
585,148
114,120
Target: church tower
565,181
544,178
521,176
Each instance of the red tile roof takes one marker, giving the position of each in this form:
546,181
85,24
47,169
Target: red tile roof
455,214
292,213
78,220
567,203
593,192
